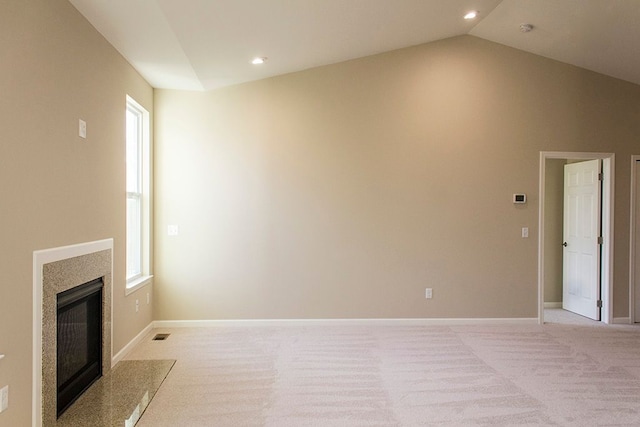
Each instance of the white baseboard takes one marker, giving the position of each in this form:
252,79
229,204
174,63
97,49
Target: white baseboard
621,320
339,322
553,304
127,348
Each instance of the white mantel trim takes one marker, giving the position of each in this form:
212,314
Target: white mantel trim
40,258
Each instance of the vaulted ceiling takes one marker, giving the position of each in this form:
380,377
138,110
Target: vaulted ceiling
207,44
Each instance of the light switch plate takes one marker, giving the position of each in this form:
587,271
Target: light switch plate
82,128
4,398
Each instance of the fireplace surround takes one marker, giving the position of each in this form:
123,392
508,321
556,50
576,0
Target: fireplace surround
55,271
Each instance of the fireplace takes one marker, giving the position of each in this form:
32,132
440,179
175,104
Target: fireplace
56,271
79,341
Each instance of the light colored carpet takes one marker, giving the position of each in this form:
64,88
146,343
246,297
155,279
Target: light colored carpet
558,315
556,374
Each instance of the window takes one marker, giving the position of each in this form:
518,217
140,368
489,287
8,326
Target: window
138,185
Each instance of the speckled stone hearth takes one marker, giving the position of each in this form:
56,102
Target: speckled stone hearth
57,277
120,397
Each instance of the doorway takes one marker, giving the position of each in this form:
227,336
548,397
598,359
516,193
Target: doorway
546,239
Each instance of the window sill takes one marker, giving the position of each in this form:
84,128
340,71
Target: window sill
138,283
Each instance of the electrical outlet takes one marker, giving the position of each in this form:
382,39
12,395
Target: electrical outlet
525,232
428,293
4,398
137,305
172,230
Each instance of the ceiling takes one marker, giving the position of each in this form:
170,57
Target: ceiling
207,44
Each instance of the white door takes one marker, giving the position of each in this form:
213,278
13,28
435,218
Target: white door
581,260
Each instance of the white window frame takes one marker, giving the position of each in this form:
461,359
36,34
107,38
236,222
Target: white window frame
143,276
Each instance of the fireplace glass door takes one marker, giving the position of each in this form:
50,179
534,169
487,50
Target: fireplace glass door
79,345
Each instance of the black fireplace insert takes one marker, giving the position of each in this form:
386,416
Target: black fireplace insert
79,355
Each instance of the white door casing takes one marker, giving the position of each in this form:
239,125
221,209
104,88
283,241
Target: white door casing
635,236
581,260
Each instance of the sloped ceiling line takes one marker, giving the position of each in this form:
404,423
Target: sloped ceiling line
206,44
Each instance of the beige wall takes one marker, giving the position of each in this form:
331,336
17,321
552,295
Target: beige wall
553,216
55,188
344,191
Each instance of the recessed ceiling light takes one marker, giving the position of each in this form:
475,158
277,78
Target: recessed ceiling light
471,15
258,61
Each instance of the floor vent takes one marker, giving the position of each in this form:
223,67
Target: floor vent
160,337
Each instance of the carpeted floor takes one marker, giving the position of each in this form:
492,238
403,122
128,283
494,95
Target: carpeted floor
556,374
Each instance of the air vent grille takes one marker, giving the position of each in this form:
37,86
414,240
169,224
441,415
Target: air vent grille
160,337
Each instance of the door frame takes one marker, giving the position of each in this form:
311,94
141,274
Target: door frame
606,267
632,240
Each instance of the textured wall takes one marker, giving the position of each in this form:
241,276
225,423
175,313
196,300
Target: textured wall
343,191
57,189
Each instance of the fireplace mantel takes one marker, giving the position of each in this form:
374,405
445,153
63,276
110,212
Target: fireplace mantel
54,271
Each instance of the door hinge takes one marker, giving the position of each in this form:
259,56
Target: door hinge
600,240
599,303
600,176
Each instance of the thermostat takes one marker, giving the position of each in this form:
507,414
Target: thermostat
519,198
